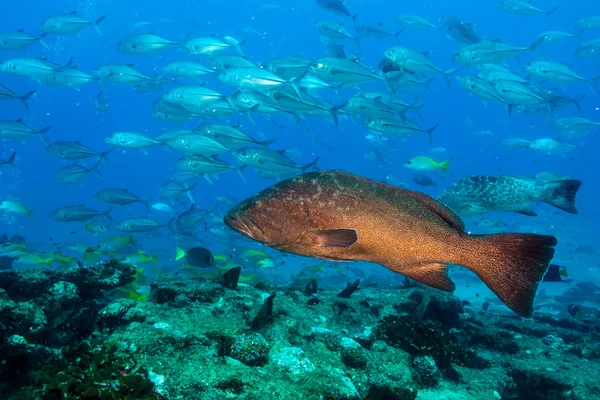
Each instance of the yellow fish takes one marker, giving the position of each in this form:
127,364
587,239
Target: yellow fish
424,163
14,207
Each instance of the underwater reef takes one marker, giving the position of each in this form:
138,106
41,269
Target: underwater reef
63,337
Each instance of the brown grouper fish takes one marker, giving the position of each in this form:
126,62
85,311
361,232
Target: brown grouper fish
339,216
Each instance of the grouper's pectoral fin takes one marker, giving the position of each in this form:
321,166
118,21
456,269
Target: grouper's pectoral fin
434,275
334,237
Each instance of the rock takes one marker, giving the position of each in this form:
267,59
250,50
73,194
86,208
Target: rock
195,290
293,360
425,371
28,319
181,301
535,383
252,349
382,387
26,284
554,342
121,311
354,357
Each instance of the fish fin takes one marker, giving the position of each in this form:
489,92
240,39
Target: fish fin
429,132
42,39
549,12
11,160
168,226
24,99
417,110
527,212
97,22
146,203
444,212
427,82
107,212
104,155
447,76
434,275
511,265
311,164
354,19
180,254
357,41
266,142
238,47
397,35
445,165
94,169
560,194
240,172
335,237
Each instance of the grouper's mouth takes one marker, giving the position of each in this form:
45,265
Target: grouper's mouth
243,225
236,224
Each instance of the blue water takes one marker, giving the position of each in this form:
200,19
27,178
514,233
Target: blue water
287,31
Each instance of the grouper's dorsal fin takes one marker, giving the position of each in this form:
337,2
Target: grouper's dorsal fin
445,213
335,237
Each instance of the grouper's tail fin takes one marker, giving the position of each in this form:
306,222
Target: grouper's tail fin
560,194
511,265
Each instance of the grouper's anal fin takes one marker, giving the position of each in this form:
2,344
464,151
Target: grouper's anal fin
434,275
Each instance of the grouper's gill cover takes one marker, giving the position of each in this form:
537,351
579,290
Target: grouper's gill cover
336,215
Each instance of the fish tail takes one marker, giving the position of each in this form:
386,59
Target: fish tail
42,132
445,165
24,99
577,100
510,108
180,254
188,192
107,213
591,82
295,85
334,116
511,265
240,172
549,12
397,35
357,41
94,169
104,155
42,39
266,142
147,203
534,46
168,226
337,89
311,164
97,22
417,109
560,194
447,76
238,47
11,160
